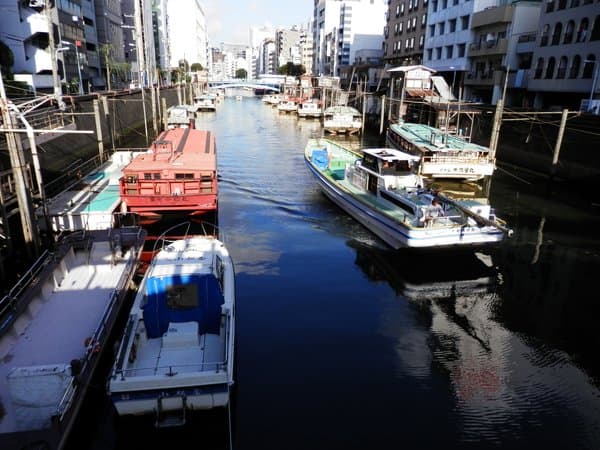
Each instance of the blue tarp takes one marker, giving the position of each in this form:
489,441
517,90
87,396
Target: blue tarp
320,158
158,314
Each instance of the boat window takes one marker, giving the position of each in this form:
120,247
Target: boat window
182,296
397,202
184,176
370,162
152,176
131,179
206,178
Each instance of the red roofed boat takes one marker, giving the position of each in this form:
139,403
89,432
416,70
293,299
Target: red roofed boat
178,174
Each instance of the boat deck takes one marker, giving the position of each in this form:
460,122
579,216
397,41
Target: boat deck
70,304
90,203
157,357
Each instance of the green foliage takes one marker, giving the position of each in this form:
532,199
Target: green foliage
292,69
241,73
196,67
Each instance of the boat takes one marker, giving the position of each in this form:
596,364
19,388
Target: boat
181,116
54,326
381,189
178,174
310,108
442,155
289,105
205,102
238,98
177,350
342,120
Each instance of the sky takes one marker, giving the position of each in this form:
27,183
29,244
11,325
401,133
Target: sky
230,20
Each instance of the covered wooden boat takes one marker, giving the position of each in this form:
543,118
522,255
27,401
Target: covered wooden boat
177,174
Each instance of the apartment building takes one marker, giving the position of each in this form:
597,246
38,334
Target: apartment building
566,57
501,51
404,32
341,28
287,46
188,33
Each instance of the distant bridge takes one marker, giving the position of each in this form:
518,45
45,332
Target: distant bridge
241,84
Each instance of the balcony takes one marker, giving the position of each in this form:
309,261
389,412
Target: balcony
493,16
488,48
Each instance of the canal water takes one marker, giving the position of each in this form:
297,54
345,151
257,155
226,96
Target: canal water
345,344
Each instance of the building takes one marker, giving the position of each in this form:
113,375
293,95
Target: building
111,50
341,28
566,57
404,32
160,29
287,46
502,46
258,36
188,33
138,37
306,48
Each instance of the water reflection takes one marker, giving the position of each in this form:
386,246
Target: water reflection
503,381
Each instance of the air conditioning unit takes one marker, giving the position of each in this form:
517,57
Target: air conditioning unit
591,107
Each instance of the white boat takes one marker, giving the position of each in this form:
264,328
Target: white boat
381,190
177,350
342,120
287,106
442,155
205,102
181,116
310,108
54,325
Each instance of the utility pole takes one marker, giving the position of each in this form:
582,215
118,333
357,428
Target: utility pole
30,234
139,38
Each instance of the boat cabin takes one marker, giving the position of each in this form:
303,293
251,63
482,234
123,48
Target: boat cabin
390,169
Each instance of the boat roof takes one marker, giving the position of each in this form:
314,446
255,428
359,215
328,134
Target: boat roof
341,109
194,254
420,135
186,149
390,154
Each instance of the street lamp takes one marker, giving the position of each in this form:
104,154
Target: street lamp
78,63
594,81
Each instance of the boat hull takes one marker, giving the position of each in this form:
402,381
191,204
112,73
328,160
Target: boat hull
396,234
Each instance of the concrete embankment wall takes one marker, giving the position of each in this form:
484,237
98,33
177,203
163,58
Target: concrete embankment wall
123,120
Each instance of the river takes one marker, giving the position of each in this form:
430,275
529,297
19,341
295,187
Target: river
345,344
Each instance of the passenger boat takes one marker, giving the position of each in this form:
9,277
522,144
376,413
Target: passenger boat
342,120
177,351
442,155
205,102
178,174
310,108
54,326
382,191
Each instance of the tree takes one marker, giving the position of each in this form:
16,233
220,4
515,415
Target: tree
241,73
196,67
292,69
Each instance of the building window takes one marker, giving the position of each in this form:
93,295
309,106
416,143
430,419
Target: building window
544,38
595,36
574,3
582,31
569,32
452,25
431,30
562,67
539,68
414,23
449,49
423,20
550,68
441,28
574,72
556,34
429,54
421,41
562,4
464,22
398,10
438,53
402,9
461,50
588,66
434,5
549,6
444,4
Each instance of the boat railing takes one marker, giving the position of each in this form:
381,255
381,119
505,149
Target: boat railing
95,342
71,176
8,303
172,369
457,158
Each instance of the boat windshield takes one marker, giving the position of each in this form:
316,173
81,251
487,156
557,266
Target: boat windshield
401,167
